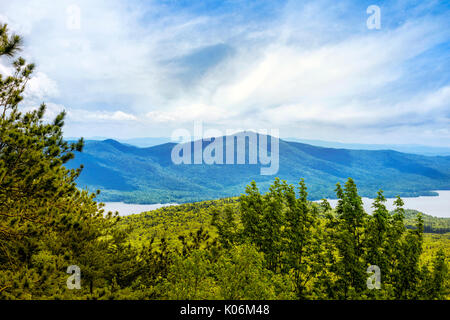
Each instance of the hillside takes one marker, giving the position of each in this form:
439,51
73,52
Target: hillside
204,230
147,175
169,222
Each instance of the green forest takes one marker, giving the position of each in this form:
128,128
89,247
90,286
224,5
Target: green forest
261,245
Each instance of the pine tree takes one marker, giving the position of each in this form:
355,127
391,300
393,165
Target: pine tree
252,209
225,222
46,223
300,221
393,250
377,234
351,217
440,278
409,268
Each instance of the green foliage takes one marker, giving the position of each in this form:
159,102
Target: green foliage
316,252
431,224
241,275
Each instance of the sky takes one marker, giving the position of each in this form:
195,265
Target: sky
311,69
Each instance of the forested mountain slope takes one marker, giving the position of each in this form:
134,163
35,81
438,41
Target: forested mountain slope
148,175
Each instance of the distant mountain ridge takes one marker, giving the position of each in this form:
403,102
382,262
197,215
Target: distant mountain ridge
146,142
147,175
406,148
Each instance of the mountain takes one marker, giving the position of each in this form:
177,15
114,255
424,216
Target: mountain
148,175
406,148
137,142
146,142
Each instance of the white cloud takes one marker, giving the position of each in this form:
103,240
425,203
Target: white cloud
421,107
188,114
340,84
310,67
93,116
80,115
41,87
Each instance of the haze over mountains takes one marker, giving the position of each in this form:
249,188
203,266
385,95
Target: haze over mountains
146,142
147,175
406,148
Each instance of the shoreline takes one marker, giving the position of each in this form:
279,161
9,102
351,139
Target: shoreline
434,205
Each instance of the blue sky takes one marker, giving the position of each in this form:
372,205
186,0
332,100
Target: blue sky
311,69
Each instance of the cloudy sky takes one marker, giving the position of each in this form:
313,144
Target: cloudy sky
312,69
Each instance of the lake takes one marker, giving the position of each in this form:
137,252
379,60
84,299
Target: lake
126,209
435,206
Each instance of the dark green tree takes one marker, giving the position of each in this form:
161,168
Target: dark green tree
349,239
409,271
377,234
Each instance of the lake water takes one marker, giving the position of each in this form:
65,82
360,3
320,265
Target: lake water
435,206
126,209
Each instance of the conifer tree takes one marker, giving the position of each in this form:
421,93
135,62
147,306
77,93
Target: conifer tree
439,286
252,209
409,264
378,226
299,232
46,223
394,245
351,218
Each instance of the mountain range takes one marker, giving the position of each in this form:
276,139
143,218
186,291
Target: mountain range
124,172
145,142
